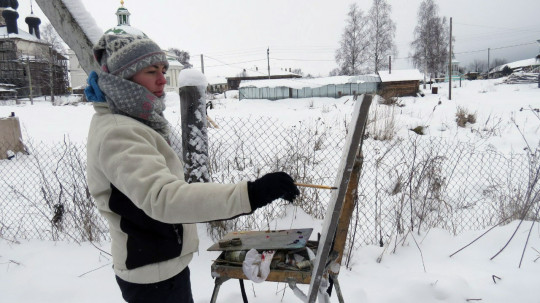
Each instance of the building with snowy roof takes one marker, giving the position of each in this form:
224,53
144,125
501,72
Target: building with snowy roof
217,85
250,75
27,62
331,87
526,65
400,83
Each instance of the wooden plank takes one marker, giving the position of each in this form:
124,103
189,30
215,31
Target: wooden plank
335,206
70,31
235,272
266,240
348,208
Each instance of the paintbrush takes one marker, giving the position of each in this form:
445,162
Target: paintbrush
315,186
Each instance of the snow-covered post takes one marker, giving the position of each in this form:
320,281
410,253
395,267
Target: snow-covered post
192,85
75,26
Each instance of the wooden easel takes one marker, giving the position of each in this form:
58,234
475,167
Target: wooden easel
330,247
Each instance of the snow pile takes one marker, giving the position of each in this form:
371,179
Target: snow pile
84,19
192,77
401,75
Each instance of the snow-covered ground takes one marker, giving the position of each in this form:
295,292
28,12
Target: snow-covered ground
420,270
416,269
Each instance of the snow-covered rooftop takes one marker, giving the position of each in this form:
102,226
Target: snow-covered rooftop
516,64
263,73
125,29
300,83
401,75
21,35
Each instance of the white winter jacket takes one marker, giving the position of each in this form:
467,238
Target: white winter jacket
137,181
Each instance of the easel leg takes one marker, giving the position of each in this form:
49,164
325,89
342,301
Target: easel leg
217,284
338,289
243,291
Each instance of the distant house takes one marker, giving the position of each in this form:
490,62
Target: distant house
472,75
331,87
398,83
456,75
247,75
76,74
526,65
173,72
217,85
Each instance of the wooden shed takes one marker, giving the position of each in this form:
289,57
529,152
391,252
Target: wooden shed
399,83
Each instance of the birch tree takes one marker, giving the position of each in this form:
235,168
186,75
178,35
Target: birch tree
50,54
382,31
49,34
430,45
478,66
353,51
182,56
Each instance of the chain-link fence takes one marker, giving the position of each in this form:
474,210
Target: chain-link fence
406,184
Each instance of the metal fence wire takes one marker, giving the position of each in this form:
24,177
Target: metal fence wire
406,184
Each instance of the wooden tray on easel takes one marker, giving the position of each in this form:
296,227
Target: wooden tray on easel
280,240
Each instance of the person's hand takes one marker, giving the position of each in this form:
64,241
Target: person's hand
271,187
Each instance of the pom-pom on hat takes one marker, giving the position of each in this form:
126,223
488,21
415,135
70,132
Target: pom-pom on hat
123,55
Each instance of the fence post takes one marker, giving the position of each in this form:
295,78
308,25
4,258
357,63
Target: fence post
194,126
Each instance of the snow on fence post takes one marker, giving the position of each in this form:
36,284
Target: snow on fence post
76,27
192,85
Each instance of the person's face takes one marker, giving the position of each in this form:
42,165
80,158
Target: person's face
153,78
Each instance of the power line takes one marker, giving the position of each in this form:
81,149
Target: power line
495,48
503,28
230,64
257,50
281,59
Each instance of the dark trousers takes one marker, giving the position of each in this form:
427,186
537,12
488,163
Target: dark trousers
174,290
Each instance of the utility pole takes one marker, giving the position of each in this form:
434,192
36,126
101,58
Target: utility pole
202,63
450,64
489,49
268,59
389,64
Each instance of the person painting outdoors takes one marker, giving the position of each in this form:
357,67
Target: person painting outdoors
137,180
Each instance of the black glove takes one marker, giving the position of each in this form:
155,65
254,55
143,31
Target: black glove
271,187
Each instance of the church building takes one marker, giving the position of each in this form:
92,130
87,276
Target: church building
29,65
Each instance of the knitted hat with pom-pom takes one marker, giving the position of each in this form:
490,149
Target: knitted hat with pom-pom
123,55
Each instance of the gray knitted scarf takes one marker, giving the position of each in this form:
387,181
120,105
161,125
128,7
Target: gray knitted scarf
133,100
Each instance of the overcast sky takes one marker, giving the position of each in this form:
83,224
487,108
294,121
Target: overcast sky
235,34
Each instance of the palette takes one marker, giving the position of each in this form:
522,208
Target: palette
263,240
